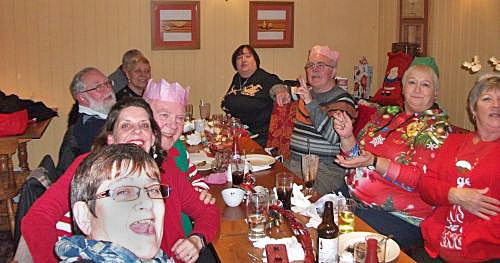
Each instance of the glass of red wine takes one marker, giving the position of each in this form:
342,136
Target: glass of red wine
284,186
237,171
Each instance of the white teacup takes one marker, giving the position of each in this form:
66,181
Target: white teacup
233,196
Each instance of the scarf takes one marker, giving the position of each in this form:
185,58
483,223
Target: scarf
77,248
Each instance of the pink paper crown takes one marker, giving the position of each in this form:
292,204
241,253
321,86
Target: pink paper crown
325,51
165,91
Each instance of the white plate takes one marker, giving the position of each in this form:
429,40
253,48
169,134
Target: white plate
391,250
197,158
207,166
260,160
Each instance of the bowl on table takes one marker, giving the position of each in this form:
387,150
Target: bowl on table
233,196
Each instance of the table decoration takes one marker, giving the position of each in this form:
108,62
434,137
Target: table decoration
299,230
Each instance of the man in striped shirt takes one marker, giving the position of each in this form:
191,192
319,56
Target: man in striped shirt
313,127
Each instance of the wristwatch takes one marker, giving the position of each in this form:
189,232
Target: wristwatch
202,238
374,164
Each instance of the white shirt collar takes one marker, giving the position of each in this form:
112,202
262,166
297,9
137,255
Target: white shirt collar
89,111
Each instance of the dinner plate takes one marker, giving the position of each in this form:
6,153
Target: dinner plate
348,239
197,158
260,160
207,166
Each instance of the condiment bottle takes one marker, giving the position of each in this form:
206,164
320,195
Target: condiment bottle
371,251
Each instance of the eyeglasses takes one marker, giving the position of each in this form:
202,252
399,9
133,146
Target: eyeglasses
101,86
319,66
130,193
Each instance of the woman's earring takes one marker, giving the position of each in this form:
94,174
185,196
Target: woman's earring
155,153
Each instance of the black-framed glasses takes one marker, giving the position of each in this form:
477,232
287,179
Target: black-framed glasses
129,193
319,66
101,86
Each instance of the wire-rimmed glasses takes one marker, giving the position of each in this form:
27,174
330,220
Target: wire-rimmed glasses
101,86
319,66
131,192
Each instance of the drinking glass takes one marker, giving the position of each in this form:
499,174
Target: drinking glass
310,163
346,208
284,186
237,171
359,252
205,111
189,112
257,211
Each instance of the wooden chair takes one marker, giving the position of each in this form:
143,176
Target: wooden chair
10,180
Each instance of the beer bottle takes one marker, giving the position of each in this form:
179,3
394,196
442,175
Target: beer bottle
328,236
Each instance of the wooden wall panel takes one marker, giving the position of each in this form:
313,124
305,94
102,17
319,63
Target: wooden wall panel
45,42
472,30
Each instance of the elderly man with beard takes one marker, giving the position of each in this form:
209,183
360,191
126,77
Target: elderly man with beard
93,93
94,97
313,126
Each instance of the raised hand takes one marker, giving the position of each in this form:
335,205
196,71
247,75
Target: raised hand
364,159
304,91
342,124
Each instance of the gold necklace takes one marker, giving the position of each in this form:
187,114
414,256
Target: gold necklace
244,83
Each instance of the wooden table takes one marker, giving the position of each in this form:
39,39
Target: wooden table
35,130
232,244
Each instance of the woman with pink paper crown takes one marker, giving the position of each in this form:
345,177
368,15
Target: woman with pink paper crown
168,101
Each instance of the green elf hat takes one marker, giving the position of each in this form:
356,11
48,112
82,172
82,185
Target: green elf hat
426,61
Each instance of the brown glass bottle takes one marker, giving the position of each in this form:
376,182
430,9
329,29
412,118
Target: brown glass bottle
328,236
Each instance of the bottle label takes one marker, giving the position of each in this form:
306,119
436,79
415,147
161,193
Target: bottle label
328,250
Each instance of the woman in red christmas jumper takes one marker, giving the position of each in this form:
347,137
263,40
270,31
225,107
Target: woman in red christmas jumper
129,121
462,183
391,155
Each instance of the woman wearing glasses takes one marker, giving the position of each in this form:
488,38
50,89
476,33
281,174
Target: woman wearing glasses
138,71
118,204
129,121
248,95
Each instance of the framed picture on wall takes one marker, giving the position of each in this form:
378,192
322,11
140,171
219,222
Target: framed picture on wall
412,33
271,24
413,23
413,8
175,25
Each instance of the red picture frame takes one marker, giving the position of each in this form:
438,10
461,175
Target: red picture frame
271,24
175,25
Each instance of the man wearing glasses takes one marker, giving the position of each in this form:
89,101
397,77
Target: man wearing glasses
93,93
94,97
313,127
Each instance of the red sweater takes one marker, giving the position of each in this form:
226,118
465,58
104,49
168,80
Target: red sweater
452,232
39,225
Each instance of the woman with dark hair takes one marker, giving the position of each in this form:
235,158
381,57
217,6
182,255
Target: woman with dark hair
248,95
131,120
